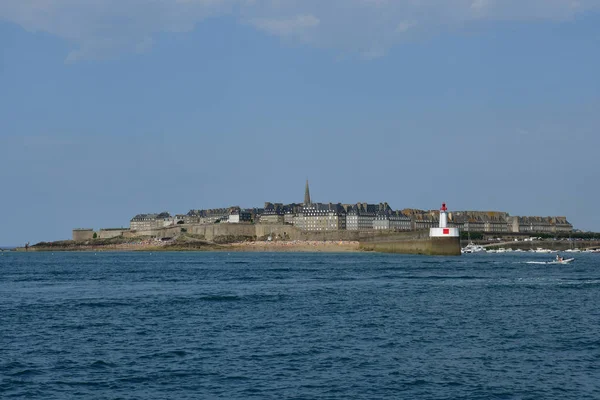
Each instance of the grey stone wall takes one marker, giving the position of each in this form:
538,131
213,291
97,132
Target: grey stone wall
279,232
83,234
406,245
111,233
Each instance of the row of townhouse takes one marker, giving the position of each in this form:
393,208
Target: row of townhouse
480,221
210,216
356,217
336,216
321,217
502,222
146,222
392,221
360,216
279,213
540,224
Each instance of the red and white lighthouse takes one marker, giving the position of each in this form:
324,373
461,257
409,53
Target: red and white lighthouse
443,230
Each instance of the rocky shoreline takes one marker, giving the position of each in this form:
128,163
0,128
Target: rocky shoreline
186,243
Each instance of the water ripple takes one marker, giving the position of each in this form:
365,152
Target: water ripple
272,326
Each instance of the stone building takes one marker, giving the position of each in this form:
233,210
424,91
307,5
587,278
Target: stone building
321,217
145,222
392,221
273,214
279,213
81,234
268,218
311,216
481,221
306,195
501,222
208,216
108,233
360,216
533,225
290,217
237,216
421,219
539,224
180,219
561,224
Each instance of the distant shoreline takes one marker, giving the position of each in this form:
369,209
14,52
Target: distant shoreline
152,246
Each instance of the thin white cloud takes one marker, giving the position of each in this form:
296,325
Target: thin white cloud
405,26
287,26
104,28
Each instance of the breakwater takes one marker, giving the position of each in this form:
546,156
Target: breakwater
417,242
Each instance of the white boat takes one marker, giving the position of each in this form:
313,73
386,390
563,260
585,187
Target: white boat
564,261
472,248
540,250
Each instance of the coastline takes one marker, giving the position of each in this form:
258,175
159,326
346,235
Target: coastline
202,246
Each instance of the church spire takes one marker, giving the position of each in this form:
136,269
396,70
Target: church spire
306,195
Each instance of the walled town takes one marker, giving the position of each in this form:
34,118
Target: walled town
322,221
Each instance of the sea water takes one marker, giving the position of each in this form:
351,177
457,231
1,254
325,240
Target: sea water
298,326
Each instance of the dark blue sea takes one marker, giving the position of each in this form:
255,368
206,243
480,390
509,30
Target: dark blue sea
298,326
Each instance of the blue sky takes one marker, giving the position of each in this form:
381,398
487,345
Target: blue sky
113,108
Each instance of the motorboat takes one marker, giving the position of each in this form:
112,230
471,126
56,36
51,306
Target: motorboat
562,261
472,248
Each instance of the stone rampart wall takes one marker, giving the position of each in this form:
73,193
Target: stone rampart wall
157,233
429,246
83,234
111,233
210,232
277,231
330,235
395,236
